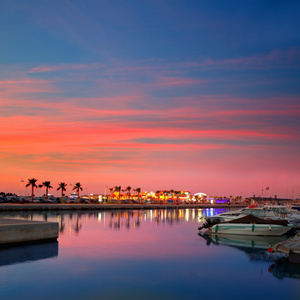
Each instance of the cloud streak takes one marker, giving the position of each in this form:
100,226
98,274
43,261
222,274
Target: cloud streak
66,67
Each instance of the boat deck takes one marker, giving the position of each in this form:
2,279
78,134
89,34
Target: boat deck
14,231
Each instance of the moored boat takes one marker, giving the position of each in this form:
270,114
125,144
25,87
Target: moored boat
274,212
251,225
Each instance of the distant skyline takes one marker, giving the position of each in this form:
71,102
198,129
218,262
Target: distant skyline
201,96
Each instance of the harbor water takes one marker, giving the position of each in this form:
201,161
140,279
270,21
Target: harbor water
142,254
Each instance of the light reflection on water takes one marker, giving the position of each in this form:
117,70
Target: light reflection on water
117,219
148,254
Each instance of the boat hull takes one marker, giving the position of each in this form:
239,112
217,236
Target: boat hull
250,229
247,241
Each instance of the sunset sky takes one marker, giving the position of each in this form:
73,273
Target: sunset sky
169,94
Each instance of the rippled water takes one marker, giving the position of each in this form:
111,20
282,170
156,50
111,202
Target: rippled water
151,254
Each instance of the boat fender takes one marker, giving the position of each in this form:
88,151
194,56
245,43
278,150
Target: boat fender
270,249
270,227
216,228
253,227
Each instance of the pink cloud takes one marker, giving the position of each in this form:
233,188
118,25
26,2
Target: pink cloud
289,110
101,137
66,67
11,88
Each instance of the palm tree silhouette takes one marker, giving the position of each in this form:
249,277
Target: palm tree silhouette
138,190
118,189
47,185
128,190
77,187
32,182
111,193
62,186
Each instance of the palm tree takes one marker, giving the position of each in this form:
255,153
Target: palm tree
62,186
47,185
111,193
78,188
128,190
32,182
138,190
157,193
118,189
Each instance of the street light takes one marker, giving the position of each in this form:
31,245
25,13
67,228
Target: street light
70,184
22,180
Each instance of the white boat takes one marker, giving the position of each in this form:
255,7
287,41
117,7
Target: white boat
283,213
251,225
274,212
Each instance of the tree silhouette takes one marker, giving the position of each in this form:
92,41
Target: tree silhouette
128,190
118,189
77,187
47,185
138,190
62,186
32,182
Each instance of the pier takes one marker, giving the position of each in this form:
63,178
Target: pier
14,231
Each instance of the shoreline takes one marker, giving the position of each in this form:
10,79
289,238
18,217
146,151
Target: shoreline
72,206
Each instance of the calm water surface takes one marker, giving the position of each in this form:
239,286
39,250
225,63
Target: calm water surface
152,254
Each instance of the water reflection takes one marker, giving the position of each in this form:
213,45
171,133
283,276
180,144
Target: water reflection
20,254
256,248
78,224
283,269
244,241
126,254
117,219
